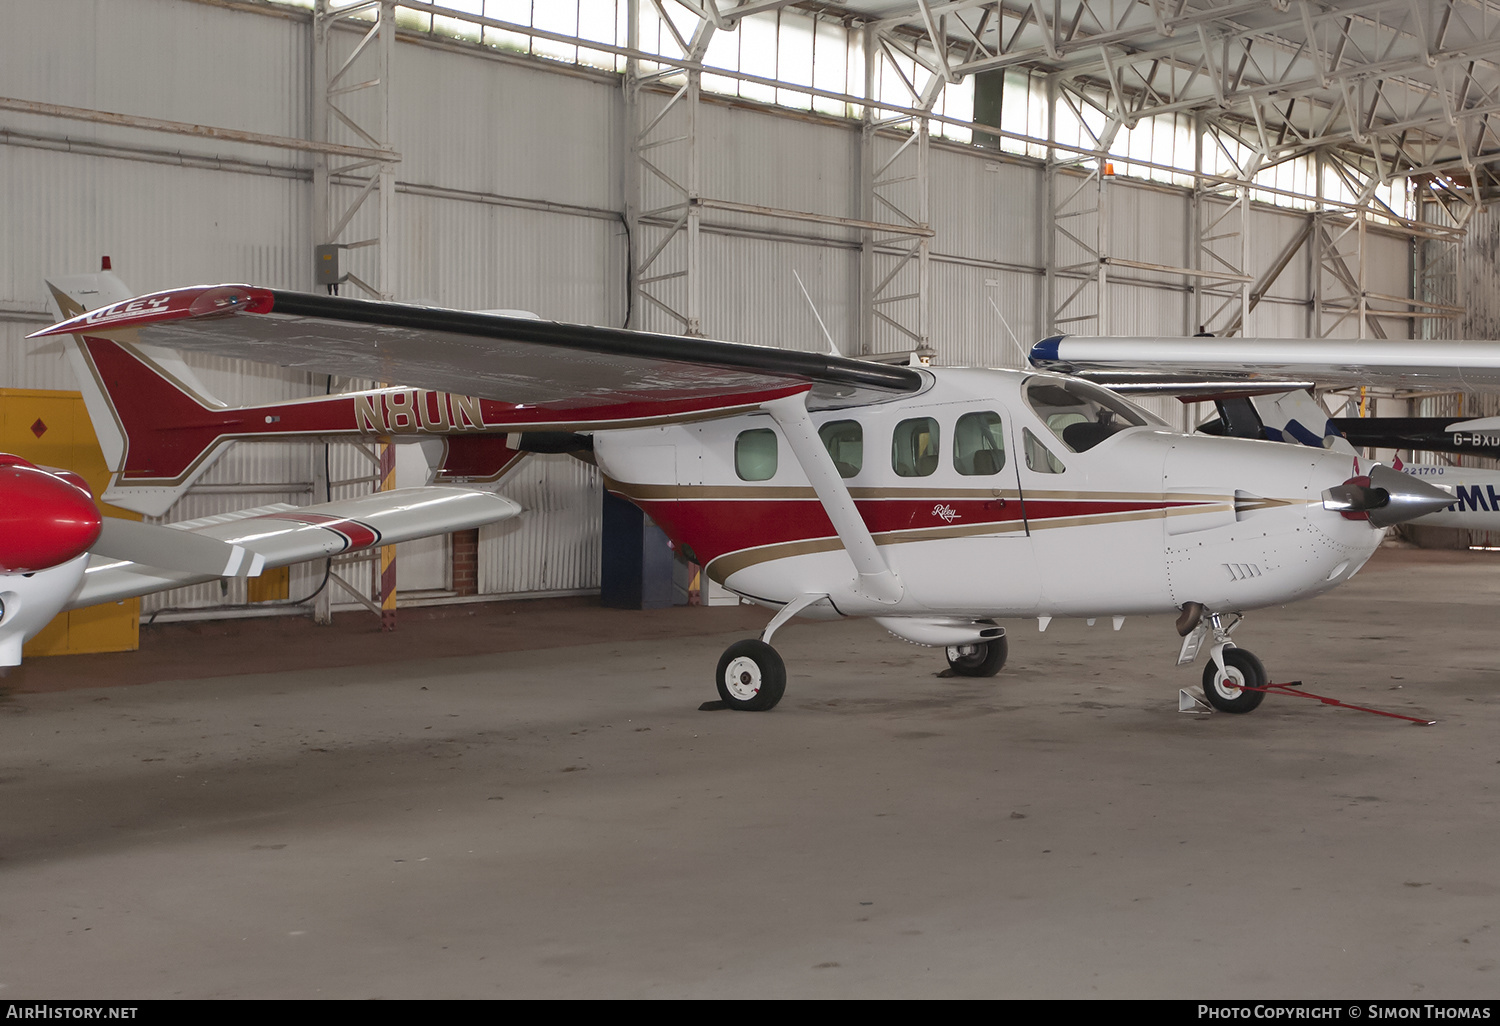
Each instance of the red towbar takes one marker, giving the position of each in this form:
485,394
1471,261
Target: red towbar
1286,689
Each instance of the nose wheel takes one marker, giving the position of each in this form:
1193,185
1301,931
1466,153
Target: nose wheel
751,677
1225,689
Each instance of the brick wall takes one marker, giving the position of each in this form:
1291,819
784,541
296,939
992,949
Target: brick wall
466,562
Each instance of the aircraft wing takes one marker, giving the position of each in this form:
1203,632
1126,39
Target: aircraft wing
282,534
553,376
1272,364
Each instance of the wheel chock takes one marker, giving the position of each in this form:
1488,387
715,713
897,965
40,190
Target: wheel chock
1187,702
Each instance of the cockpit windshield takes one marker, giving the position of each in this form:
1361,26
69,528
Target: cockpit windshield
1082,415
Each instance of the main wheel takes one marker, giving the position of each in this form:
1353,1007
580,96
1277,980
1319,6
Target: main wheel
980,659
1224,692
751,676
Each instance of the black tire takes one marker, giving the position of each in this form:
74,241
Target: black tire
751,677
1241,667
981,659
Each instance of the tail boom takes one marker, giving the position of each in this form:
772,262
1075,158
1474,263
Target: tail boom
168,431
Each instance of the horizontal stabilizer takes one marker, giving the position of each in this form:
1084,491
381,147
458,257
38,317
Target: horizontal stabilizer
169,549
280,535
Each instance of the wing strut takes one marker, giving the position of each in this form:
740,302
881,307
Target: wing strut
876,579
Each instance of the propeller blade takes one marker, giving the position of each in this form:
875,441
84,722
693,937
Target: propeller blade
167,549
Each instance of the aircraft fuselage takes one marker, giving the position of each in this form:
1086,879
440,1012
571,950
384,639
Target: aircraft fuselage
999,494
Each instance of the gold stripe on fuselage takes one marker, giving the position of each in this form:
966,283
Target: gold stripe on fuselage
682,492
721,567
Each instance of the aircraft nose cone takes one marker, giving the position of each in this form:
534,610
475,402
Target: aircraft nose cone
44,520
1385,498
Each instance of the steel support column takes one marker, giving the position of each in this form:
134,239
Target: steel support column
895,264
1221,253
354,90
663,186
1078,191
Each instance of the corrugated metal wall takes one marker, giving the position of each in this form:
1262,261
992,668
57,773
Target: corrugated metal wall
553,546
510,196
1480,268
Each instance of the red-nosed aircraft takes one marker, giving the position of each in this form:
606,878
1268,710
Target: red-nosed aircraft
57,552
935,501
48,521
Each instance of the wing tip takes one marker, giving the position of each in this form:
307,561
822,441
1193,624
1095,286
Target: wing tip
174,304
1045,352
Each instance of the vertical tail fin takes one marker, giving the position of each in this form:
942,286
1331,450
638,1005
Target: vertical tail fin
160,429
157,425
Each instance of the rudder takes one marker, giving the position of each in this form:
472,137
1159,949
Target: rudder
158,427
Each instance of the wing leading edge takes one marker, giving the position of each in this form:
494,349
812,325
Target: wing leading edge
553,376
1275,364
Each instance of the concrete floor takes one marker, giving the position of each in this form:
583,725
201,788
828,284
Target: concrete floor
523,821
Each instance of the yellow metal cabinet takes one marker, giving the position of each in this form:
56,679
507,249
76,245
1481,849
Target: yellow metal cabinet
52,429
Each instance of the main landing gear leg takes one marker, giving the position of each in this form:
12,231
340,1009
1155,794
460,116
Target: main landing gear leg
752,675
1230,669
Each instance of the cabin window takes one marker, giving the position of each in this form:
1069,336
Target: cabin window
978,444
755,455
1081,415
1038,457
845,442
914,447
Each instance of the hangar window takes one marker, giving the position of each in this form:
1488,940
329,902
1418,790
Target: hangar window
755,455
845,442
978,444
914,447
818,60
1081,415
1038,457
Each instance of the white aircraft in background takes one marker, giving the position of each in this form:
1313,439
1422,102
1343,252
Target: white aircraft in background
934,501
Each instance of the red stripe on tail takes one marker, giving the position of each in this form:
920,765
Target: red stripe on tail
169,431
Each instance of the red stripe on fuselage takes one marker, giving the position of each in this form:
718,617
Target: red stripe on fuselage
715,527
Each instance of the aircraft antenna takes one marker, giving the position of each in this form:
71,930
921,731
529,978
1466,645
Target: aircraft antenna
832,348
1025,360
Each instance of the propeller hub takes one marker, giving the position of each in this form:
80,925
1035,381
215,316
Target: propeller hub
1385,498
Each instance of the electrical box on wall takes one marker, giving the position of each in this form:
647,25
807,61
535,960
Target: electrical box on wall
328,265
52,429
